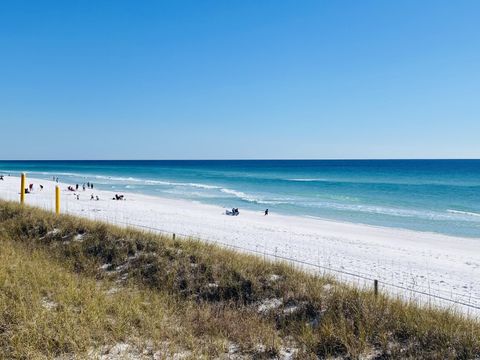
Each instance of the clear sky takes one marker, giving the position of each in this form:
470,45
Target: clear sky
239,79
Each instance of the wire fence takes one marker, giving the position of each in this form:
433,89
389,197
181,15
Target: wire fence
430,293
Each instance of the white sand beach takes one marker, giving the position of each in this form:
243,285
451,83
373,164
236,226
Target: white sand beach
436,264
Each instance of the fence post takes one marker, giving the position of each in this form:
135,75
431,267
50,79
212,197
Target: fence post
173,236
57,199
375,287
22,188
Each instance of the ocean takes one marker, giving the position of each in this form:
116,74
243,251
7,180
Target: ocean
441,196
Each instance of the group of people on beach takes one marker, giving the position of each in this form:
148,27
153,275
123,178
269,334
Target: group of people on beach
118,197
92,196
77,196
233,212
88,185
29,189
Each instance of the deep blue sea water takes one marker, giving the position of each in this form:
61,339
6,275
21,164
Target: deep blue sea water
428,195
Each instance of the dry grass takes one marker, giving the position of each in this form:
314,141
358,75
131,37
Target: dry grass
184,296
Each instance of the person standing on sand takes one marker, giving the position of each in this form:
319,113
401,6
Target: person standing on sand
76,186
266,212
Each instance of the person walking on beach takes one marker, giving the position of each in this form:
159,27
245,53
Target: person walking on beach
91,186
30,187
76,186
83,187
266,212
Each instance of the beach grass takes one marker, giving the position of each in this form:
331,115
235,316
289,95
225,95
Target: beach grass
74,288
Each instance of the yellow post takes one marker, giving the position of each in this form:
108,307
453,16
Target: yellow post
22,188
57,199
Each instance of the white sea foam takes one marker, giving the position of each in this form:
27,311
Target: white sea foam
412,182
468,213
307,180
250,198
172,183
115,178
126,179
240,195
201,186
449,215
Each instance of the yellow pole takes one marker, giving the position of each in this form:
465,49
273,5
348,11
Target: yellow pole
22,188
57,199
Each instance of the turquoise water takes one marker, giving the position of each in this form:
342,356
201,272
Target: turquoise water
441,196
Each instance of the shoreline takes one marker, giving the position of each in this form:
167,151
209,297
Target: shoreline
440,264
280,213
453,214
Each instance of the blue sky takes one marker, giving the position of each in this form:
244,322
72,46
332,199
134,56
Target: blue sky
239,79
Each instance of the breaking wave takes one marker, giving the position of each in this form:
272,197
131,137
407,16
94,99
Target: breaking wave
252,199
468,213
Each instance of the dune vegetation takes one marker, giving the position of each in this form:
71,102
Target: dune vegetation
71,288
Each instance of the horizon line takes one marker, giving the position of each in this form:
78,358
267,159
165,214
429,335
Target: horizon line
255,159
